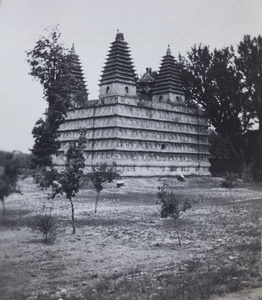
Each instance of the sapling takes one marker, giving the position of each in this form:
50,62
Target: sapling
172,207
101,174
68,182
229,182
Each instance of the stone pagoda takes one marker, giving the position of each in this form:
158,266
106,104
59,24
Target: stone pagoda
168,86
118,77
142,125
80,93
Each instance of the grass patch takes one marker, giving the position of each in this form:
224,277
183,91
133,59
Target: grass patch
13,218
189,280
127,251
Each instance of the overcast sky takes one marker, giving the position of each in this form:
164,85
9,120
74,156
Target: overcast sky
148,26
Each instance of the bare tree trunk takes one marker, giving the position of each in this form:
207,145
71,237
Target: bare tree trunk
3,201
96,202
247,168
241,154
73,215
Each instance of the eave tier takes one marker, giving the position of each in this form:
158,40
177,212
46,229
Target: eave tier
165,85
169,77
117,70
117,80
117,74
121,61
118,51
78,76
167,90
127,68
120,46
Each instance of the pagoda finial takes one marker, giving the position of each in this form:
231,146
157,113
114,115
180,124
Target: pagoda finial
168,52
119,36
72,52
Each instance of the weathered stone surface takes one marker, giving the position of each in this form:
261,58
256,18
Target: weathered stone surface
157,137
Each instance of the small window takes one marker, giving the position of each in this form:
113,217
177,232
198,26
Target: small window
107,89
127,90
163,146
177,98
160,98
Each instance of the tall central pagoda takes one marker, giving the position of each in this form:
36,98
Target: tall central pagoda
142,125
118,78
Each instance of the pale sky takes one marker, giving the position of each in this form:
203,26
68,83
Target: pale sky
148,26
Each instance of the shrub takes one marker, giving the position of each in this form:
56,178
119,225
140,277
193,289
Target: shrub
171,206
8,176
229,181
46,224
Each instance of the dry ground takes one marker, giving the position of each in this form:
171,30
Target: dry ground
126,251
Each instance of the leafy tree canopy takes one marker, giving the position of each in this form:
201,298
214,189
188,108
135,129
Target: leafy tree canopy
51,63
227,84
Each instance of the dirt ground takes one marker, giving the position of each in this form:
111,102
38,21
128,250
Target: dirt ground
126,251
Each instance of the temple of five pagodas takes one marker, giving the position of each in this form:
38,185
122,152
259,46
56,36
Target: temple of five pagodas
143,125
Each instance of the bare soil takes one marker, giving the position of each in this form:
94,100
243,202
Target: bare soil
126,251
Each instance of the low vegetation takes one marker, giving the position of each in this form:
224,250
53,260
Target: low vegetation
8,176
45,223
128,251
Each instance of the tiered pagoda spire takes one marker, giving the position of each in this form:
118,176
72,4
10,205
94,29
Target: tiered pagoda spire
118,76
168,84
80,93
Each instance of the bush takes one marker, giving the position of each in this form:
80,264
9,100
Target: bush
8,176
171,206
45,223
229,181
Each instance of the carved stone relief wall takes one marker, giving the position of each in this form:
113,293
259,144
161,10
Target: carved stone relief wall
156,138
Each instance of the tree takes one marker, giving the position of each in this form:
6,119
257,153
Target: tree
249,64
68,182
218,147
8,177
50,63
100,174
220,82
